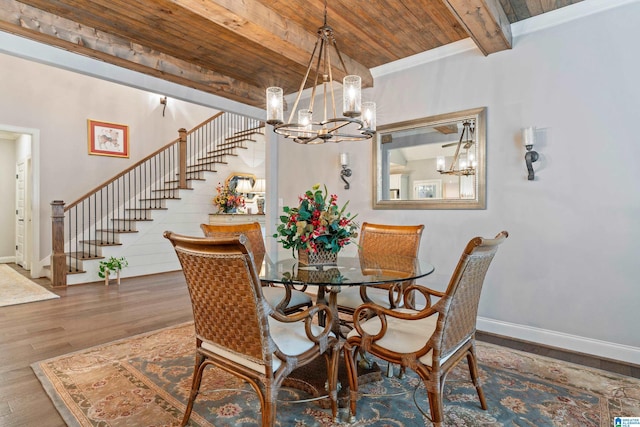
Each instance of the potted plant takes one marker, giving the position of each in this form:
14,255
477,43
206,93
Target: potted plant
112,265
317,229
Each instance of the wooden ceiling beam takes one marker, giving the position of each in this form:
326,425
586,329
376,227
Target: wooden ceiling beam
485,21
265,26
23,20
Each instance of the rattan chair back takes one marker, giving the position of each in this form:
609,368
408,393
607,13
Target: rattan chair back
252,230
226,297
382,239
460,304
385,247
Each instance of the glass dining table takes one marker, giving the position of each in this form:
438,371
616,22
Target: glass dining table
346,272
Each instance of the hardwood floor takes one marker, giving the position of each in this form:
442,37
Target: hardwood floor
92,314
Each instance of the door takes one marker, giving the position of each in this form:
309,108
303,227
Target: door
21,214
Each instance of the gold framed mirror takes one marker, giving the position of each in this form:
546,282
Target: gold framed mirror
242,182
436,162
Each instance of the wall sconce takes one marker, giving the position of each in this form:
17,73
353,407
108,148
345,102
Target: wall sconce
345,172
163,101
529,139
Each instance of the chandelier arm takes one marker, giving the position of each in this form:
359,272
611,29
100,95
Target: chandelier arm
335,128
457,154
335,46
323,47
330,73
304,81
301,140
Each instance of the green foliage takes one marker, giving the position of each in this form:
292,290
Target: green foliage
317,223
112,265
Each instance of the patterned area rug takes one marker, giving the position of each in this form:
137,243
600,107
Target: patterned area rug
17,289
144,381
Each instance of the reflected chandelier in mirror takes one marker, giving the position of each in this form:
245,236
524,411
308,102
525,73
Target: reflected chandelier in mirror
434,162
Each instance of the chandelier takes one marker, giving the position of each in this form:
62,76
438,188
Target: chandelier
358,120
464,162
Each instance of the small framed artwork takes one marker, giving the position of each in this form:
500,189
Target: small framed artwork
108,139
427,189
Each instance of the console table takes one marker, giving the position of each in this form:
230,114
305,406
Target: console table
217,219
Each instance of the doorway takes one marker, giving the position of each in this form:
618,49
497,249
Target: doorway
19,180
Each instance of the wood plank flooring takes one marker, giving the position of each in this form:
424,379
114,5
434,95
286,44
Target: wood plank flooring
92,314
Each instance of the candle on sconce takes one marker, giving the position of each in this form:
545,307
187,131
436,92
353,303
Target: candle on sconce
528,136
344,159
440,163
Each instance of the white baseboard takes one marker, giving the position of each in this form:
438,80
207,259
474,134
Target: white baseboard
7,259
609,350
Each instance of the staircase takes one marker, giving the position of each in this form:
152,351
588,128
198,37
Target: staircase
107,219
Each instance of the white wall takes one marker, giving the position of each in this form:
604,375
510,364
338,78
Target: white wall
58,103
567,275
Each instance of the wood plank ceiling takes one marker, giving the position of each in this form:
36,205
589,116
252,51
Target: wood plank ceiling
235,49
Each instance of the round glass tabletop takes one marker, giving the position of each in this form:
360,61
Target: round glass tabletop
347,271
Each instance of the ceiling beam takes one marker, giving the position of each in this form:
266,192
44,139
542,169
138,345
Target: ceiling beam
266,27
35,24
485,21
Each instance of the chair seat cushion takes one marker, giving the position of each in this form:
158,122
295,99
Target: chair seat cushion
290,338
403,336
274,295
350,297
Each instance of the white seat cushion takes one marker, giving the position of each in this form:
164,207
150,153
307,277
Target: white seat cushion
290,338
350,297
403,336
274,295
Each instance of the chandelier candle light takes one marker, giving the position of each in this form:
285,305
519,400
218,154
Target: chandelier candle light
359,119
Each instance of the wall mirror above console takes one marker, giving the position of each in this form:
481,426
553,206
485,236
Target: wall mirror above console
436,162
241,182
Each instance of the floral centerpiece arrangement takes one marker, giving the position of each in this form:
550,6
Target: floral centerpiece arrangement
317,225
228,200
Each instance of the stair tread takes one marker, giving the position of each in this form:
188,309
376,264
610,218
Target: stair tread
84,255
146,209
100,243
106,230
154,199
131,219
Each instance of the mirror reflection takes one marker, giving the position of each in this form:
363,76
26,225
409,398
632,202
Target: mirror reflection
432,163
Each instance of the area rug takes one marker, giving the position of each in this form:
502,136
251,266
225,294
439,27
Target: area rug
17,289
144,381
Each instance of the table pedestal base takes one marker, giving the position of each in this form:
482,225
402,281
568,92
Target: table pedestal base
311,378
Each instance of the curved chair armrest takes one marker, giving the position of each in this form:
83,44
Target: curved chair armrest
368,310
426,292
307,316
282,305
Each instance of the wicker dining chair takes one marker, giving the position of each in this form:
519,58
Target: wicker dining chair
238,331
432,340
285,299
381,243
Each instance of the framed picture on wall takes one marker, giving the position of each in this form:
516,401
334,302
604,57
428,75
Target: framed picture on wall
108,139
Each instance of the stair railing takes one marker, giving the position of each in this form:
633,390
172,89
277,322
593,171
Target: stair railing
114,207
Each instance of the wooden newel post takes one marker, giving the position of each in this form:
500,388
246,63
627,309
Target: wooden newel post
183,157
58,264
